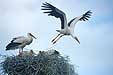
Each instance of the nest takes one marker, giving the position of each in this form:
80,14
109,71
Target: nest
40,64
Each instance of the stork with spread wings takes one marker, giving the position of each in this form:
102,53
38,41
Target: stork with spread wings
66,28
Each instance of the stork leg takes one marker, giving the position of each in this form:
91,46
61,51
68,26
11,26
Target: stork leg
20,51
56,37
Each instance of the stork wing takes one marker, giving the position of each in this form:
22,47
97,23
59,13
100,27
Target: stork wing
19,39
83,17
53,11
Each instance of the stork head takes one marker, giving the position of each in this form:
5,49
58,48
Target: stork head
31,35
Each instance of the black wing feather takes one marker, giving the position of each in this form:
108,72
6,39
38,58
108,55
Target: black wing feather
53,11
71,22
12,46
86,16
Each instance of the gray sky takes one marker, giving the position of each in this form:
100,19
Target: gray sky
95,53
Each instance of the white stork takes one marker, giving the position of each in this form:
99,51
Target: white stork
20,42
66,28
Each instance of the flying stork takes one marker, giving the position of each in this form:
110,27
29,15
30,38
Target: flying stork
20,42
66,28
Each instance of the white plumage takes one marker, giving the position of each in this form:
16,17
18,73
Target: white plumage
66,28
20,42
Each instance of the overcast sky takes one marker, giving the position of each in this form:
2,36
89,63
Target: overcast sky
95,53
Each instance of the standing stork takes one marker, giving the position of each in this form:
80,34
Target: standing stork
66,28
20,42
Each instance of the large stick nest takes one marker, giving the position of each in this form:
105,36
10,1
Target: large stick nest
41,64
